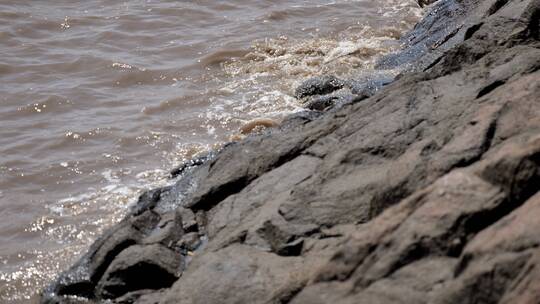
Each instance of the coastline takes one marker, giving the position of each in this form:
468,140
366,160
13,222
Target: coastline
373,192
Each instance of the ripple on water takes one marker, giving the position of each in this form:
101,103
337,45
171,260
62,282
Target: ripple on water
70,225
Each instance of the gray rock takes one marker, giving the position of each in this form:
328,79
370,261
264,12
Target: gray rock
237,274
189,222
320,85
367,87
138,268
321,103
197,161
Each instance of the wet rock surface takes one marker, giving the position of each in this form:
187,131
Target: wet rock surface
318,86
423,191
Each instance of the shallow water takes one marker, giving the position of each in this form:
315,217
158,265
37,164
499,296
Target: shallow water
98,101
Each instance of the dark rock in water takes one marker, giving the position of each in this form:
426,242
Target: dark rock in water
167,231
360,89
81,279
322,103
318,86
197,161
189,222
147,201
439,170
138,268
152,221
439,30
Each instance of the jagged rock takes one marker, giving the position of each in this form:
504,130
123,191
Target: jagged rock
147,201
321,103
439,30
80,279
138,268
443,220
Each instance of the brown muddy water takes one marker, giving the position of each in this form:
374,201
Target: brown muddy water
100,99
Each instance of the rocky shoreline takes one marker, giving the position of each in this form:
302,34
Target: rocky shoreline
418,190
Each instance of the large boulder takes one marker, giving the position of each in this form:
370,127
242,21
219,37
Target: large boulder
139,268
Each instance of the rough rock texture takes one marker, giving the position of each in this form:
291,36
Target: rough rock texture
318,86
138,268
425,192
